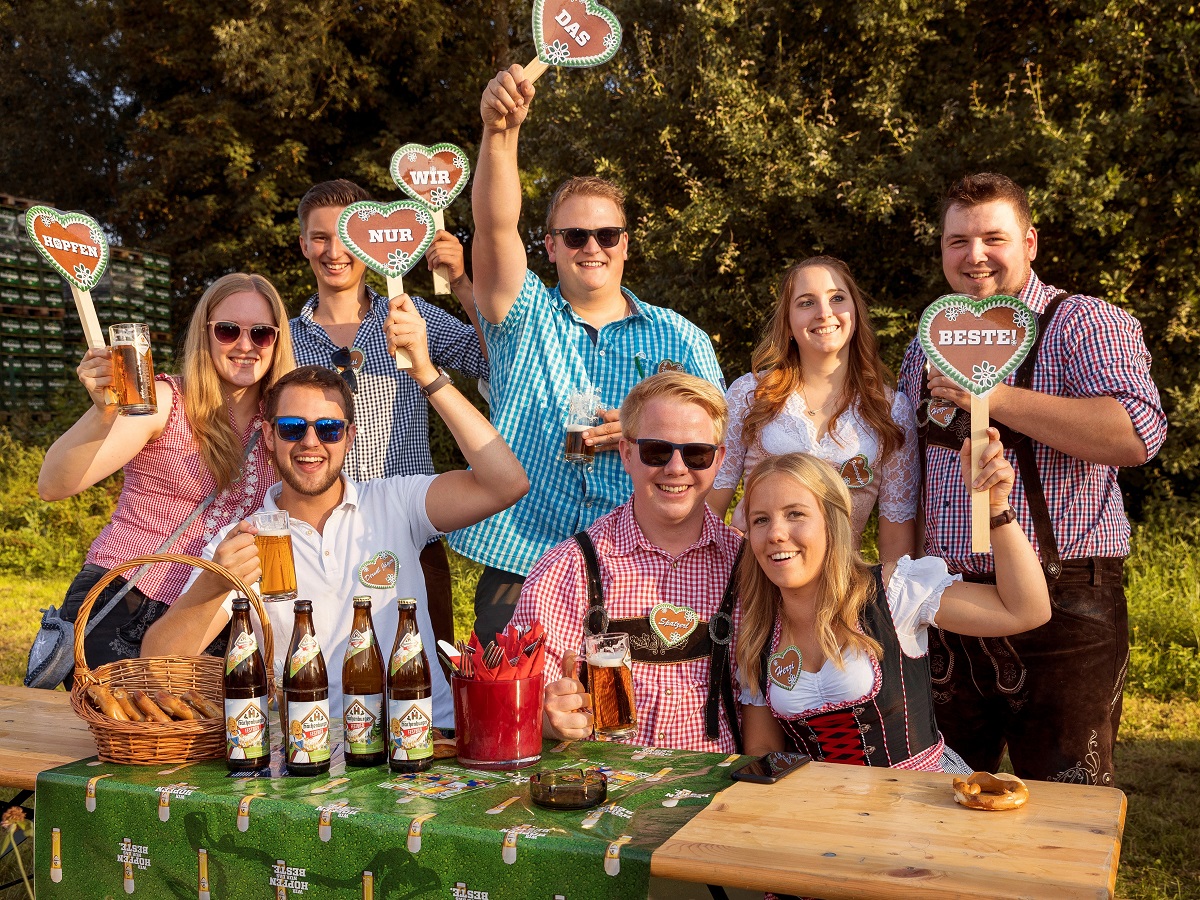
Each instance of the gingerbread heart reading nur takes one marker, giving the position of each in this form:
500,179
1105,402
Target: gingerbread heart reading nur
977,343
575,32
72,243
389,237
433,175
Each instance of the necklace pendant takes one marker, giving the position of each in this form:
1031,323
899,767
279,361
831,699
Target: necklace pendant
811,412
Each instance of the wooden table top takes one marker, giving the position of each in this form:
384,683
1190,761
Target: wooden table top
841,832
38,730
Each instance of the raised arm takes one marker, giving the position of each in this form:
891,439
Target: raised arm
497,251
102,441
446,250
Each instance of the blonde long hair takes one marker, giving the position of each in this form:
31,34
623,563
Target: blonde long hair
780,374
847,583
203,400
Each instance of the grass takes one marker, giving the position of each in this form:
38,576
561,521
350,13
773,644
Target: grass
20,600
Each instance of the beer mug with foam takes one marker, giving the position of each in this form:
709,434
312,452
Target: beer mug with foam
133,370
274,541
610,682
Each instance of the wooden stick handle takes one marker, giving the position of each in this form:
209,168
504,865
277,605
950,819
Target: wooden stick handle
981,535
441,275
395,287
92,332
535,70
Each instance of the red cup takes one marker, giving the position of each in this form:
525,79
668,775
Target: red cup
498,724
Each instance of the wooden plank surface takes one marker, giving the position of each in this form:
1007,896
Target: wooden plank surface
38,730
841,832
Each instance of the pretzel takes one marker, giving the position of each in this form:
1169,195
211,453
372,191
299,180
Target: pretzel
149,707
202,705
122,697
106,703
991,792
173,706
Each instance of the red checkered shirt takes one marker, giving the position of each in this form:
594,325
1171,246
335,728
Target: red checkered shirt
1091,349
636,575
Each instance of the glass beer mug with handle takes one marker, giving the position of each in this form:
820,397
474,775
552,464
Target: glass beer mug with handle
274,542
610,682
132,369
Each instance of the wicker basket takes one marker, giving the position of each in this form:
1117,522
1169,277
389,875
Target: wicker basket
154,743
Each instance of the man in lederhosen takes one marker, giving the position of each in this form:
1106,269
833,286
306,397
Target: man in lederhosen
662,563
1080,406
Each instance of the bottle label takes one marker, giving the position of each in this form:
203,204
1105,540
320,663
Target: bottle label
243,648
411,731
363,714
360,641
246,729
308,722
306,652
409,649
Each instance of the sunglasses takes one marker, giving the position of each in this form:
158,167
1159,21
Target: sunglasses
261,336
654,452
577,238
345,367
293,428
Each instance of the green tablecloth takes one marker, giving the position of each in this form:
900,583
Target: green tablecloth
451,833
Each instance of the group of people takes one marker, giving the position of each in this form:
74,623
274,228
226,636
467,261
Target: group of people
938,658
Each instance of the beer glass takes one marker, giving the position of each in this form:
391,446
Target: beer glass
274,541
133,371
582,414
610,681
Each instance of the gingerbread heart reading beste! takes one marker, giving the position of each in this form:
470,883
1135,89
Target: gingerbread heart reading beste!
389,237
784,667
433,175
977,343
575,32
673,623
72,243
380,570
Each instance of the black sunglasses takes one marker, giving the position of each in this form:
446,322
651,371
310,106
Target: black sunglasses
293,428
342,361
577,238
654,452
261,336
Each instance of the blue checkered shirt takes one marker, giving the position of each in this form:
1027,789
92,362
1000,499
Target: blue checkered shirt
391,413
539,354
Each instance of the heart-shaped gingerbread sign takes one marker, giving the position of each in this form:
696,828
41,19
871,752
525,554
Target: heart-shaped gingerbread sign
784,667
575,33
380,570
856,472
673,623
72,243
389,237
977,343
434,175
941,411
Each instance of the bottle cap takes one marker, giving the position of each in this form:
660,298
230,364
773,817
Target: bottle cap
362,601
406,602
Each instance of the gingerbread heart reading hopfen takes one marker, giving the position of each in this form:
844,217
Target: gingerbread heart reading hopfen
575,32
72,243
389,237
977,343
434,175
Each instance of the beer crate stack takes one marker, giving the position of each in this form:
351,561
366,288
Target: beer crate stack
41,339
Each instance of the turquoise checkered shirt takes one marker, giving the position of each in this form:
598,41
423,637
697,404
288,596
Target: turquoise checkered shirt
538,355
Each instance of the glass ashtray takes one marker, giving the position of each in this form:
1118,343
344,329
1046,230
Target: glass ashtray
569,789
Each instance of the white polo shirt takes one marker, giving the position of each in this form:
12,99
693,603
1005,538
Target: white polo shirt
371,546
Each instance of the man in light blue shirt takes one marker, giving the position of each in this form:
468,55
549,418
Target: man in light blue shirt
588,333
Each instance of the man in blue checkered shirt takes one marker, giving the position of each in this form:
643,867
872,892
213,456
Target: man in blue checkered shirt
587,334
341,327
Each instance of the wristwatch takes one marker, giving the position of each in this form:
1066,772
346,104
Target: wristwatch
437,384
1003,519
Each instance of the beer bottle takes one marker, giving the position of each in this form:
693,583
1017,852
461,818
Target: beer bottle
247,721
410,696
306,699
362,691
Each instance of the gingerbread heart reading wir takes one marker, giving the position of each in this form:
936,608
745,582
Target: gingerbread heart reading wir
72,243
389,237
434,175
977,343
575,32
673,623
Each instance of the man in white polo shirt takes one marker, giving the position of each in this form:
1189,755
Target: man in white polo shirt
350,538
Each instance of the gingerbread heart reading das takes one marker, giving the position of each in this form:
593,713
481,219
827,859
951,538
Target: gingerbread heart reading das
389,237
380,570
575,32
784,667
72,243
977,343
856,471
434,175
673,623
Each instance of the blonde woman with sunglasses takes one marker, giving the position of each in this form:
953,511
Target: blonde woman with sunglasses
197,445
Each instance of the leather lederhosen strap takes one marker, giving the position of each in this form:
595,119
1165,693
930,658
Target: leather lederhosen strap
952,434
710,639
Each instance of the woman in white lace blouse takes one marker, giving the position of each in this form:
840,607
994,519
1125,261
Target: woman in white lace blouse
818,386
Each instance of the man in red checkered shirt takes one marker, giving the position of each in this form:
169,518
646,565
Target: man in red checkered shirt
1080,406
664,561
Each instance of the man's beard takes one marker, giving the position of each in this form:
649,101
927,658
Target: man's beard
289,477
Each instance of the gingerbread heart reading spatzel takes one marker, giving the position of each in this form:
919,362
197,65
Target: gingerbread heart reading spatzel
389,237
977,343
434,175
72,243
575,32
673,623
